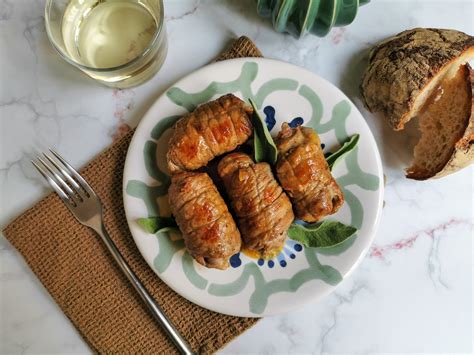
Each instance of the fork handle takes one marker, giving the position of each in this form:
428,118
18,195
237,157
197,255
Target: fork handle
154,308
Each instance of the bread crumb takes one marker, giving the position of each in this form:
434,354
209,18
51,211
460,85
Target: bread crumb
439,93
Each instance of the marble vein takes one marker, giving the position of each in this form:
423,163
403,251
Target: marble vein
382,251
186,13
6,10
289,331
341,301
34,26
434,263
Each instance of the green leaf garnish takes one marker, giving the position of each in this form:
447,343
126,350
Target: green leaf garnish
168,229
321,235
346,148
258,149
157,224
265,149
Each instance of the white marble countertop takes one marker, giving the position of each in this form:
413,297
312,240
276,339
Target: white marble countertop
413,291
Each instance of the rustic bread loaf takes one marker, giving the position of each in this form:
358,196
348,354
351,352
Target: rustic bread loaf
404,70
420,73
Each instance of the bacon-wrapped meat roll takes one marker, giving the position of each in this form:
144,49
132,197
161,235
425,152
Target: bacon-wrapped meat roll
304,174
209,231
212,129
263,210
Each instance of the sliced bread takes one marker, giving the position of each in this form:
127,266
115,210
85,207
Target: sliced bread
422,73
446,122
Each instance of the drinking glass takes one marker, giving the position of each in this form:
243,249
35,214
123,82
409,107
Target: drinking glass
120,43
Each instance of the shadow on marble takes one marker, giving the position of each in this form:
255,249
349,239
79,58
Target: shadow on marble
352,74
59,71
247,9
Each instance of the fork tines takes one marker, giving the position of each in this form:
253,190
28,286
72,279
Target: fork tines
63,178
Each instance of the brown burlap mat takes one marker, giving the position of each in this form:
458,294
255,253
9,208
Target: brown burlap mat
83,279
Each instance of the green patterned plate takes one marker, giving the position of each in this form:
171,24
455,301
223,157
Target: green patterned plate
250,287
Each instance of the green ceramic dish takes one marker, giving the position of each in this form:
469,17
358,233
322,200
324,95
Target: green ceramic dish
299,17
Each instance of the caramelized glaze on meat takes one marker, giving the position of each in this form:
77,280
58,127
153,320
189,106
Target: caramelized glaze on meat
209,231
263,210
304,174
212,129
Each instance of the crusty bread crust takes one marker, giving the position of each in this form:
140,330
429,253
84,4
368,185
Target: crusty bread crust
404,69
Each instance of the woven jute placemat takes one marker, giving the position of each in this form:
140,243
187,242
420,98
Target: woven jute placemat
81,276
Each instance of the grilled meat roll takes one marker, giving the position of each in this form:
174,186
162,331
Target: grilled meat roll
304,174
212,129
209,231
263,210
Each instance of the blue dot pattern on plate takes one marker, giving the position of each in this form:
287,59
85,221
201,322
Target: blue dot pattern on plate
270,120
295,122
235,260
290,251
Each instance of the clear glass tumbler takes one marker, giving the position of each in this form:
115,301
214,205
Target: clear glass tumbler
120,43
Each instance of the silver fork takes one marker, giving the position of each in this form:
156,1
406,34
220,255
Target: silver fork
85,205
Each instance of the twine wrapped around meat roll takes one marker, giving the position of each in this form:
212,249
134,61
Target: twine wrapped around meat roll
263,210
209,231
212,129
304,174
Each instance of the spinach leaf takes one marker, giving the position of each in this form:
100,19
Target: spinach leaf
321,235
346,148
264,147
157,224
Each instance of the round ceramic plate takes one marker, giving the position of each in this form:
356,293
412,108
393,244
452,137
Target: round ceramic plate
250,287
